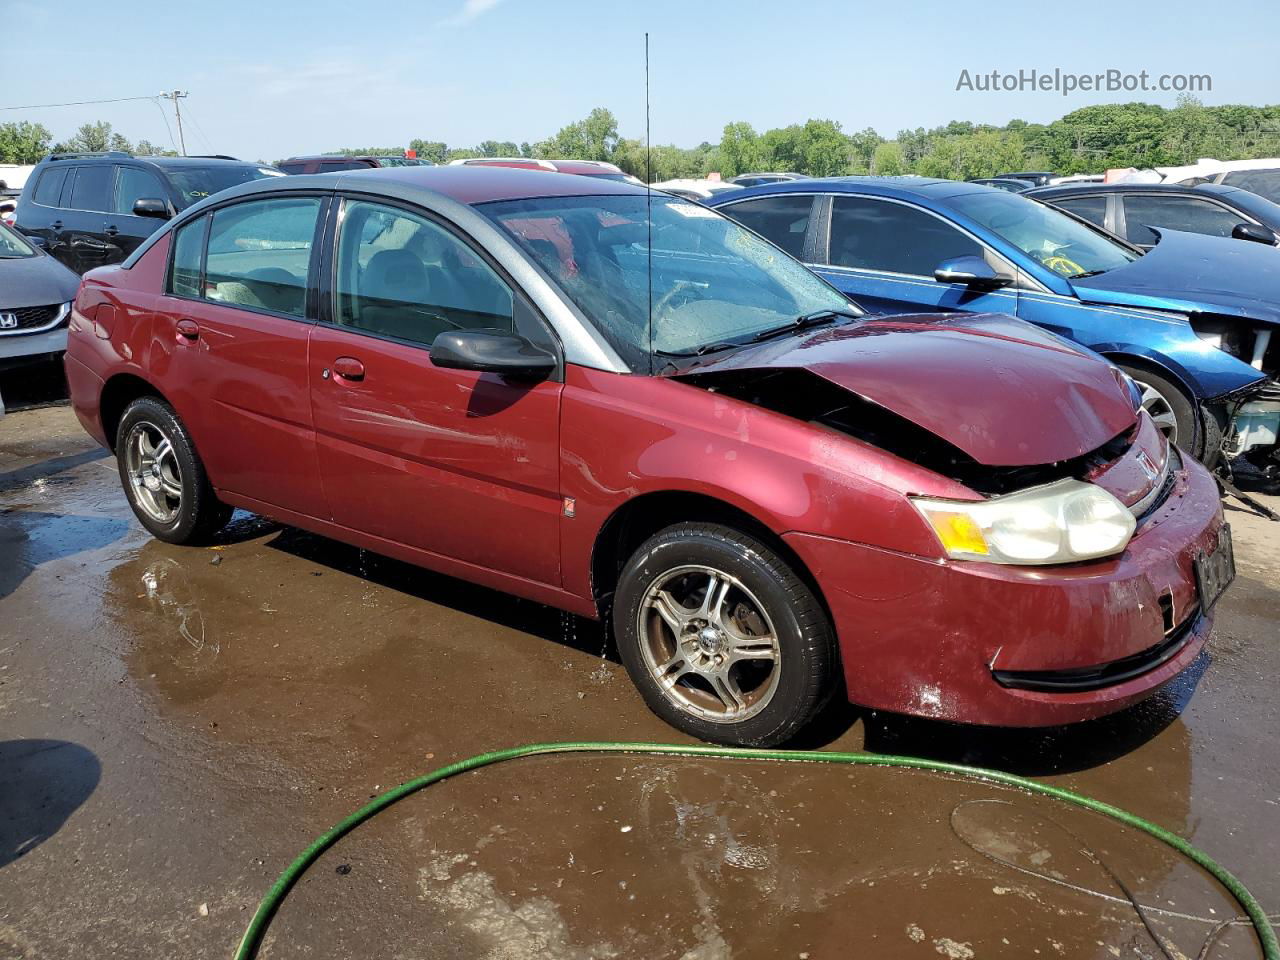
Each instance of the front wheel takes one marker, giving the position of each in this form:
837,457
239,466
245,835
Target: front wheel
721,637
1173,412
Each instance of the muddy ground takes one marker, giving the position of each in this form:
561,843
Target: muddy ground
176,724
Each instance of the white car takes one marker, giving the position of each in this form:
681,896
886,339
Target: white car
1260,176
692,189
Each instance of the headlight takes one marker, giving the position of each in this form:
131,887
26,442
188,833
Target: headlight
1062,522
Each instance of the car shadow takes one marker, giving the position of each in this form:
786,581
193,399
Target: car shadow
503,609
23,476
32,385
29,538
42,783
1029,752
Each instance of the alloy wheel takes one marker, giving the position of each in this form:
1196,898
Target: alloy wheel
709,643
1161,411
154,472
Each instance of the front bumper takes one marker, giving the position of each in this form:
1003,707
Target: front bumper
944,638
23,345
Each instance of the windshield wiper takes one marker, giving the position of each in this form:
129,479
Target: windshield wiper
1086,273
803,322
701,351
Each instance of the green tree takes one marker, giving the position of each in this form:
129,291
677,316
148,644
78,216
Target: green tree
887,160
432,151
90,138
593,138
23,142
740,149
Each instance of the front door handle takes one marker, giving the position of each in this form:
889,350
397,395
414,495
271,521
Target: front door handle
348,368
56,226
188,328
111,231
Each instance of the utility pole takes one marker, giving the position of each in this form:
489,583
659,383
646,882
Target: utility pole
175,96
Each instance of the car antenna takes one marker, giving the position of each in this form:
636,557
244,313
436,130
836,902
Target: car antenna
648,194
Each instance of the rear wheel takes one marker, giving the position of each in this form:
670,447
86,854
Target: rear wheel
163,477
721,637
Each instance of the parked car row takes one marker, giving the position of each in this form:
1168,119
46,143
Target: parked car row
1191,320
631,407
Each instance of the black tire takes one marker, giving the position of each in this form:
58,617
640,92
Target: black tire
804,650
198,513
1190,433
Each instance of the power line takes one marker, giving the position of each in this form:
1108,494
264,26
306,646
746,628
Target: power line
165,117
175,96
74,103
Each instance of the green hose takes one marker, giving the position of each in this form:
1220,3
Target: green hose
252,939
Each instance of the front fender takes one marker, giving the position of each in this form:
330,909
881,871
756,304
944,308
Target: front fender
1165,340
624,437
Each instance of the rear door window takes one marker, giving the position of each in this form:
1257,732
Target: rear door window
259,254
875,234
1093,209
134,184
92,188
49,189
1143,211
783,221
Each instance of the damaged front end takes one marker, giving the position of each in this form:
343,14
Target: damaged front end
1250,416
1079,508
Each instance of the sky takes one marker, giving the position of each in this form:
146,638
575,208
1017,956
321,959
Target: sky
273,78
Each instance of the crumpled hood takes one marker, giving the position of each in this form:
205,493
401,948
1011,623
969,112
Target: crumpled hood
35,282
1192,273
1004,392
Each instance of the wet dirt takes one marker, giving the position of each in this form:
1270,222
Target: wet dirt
176,724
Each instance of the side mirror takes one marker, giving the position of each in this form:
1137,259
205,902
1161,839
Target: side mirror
971,271
1255,232
151,207
491,351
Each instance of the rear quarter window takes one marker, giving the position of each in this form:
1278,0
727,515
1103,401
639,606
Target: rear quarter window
49,188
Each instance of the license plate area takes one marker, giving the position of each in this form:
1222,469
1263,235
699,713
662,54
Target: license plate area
1216,569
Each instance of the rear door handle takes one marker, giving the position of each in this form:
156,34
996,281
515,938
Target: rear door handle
348,368
188,328
56,226
111,231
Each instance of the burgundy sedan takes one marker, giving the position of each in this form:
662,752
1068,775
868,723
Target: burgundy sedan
629,407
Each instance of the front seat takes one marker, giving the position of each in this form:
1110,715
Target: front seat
393,291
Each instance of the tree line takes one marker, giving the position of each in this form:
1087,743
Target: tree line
1087,140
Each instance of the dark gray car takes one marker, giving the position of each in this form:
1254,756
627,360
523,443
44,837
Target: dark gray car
35,301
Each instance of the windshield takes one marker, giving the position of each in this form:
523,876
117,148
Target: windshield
12,246
714,282
196,183
1065,246
1265,183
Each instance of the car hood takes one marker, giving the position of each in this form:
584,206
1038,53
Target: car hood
35,282
1002,391
1194,274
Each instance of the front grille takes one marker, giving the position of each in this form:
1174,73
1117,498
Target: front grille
1080,679
29,318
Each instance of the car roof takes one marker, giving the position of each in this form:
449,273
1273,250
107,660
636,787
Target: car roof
1070,189
466,184
900,187
336,156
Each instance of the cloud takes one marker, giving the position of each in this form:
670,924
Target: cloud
470,10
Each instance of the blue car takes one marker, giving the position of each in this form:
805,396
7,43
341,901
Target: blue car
1192,321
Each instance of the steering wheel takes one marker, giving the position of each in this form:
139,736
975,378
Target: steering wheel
665,300
1062,265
